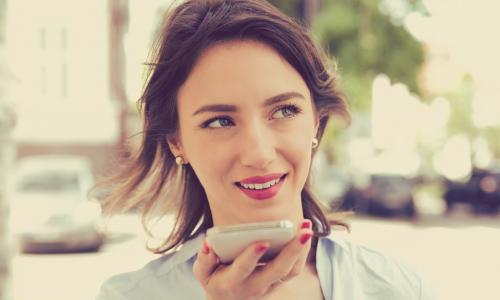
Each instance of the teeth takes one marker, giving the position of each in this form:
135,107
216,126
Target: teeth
260,186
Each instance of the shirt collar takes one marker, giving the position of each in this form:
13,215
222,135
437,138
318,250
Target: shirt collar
185,252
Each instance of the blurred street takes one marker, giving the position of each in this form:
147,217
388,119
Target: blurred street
422,87
458,256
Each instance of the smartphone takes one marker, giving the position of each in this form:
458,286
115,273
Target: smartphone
229,241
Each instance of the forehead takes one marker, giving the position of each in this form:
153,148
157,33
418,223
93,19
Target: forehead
239,71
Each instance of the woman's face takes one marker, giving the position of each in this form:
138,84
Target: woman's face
246,120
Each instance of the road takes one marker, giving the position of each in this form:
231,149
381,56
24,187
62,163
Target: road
459,257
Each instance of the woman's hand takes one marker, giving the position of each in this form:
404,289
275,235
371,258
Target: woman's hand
242,279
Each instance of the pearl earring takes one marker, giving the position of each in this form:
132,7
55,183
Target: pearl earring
179,160
315,143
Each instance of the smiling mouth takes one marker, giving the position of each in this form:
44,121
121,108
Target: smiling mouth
241,186
262,191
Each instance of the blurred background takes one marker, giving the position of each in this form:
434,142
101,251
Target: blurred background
419,165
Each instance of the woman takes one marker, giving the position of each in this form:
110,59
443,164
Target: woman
234,109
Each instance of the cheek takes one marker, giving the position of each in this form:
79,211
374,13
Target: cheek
295,141
208,159
299,134
296,148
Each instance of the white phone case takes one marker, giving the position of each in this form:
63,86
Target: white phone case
229,241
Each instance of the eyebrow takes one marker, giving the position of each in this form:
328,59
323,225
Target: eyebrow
231,108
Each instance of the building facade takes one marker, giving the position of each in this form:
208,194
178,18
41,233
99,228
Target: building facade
69,59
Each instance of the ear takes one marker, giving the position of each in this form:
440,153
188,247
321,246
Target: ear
316,125
175,145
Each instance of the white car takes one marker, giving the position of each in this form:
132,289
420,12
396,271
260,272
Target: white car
50,211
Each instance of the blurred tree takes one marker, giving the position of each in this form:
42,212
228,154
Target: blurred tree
461,106
367,40
118,29
365,37
302,10
491,134
461,116
289,7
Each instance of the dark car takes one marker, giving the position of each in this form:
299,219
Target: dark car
385,195
481,192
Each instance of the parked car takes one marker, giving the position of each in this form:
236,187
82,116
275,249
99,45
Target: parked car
386,195
50,208
481,191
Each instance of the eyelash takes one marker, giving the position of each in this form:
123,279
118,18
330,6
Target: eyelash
294,108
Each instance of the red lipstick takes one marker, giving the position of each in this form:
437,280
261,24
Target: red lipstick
262,179
264,193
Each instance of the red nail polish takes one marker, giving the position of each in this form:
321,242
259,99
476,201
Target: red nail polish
306,224
206,248
305,238
261,248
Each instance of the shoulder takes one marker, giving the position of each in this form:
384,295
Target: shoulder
133,285
169,275
365,258
375,272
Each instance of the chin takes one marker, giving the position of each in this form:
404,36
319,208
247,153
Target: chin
265,216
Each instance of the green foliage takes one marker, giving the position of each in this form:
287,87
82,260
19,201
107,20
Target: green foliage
460,121
460,104
491,134
366,42
289,7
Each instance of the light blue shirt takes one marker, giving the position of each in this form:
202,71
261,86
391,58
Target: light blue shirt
346,272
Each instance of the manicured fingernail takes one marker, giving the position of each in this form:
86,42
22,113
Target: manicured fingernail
305,238
206,248
261,248
306,224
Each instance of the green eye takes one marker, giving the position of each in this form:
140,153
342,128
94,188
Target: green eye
218,122
286,111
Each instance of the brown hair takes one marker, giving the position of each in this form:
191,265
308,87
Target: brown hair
151,180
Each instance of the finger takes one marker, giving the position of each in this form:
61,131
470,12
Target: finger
281,266
301,261
304,233
205,264
247,261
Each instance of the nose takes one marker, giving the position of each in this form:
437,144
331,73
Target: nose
257,147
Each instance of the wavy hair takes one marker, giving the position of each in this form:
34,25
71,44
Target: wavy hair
150,180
